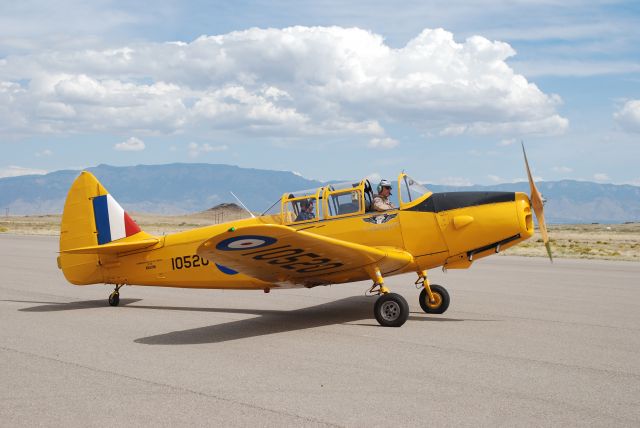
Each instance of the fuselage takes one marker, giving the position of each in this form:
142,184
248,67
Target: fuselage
438,229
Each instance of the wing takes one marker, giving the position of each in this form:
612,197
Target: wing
284,256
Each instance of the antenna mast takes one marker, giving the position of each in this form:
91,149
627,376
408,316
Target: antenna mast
243,205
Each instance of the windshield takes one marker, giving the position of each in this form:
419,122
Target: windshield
410,190
307,192
273,209
343,185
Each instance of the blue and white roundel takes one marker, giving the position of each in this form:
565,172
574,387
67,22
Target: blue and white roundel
245,242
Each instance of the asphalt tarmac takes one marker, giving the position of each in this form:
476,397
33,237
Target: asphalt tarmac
524,343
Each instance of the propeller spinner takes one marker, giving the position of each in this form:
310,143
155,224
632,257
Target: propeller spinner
537,203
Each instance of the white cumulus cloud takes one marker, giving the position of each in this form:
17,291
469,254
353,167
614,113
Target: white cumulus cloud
15,171
601,176
506,142
374,178
296,81
132,144
629,116
196,149
383,143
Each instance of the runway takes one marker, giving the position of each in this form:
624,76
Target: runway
524,343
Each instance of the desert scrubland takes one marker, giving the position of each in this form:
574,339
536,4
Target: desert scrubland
590,241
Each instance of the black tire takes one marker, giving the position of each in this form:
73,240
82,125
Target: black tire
114,298
391,310
442,300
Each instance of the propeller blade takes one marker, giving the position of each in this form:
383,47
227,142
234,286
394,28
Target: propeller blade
538,206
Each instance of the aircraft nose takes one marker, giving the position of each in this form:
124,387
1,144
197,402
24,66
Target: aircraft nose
525,216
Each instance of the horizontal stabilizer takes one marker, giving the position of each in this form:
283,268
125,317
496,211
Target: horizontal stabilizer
116,247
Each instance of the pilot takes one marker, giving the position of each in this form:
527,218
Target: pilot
306,212
381,201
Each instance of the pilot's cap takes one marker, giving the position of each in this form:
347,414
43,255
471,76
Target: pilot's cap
306,203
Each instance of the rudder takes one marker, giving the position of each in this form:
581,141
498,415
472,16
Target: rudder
91,218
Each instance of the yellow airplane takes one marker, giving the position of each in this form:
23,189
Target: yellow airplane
328,235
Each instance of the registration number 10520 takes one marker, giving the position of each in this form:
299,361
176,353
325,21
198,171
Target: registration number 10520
186,262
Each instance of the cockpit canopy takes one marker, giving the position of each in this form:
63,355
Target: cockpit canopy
336,200
410,190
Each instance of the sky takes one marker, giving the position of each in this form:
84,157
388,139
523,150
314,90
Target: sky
444,90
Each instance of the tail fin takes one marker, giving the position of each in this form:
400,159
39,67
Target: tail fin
93,223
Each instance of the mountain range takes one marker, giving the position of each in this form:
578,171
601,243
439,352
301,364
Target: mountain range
187,188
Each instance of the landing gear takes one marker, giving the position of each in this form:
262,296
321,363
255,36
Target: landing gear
434,298
114,298
440,301
391,309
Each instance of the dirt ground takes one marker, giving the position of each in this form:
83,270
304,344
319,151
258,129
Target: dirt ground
151,223
585,241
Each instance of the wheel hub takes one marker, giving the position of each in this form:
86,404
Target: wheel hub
437,301
390,311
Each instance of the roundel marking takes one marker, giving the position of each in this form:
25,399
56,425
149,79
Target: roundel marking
245,242
226,270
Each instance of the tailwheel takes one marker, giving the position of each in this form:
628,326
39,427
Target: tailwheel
114,298
440,302
391,310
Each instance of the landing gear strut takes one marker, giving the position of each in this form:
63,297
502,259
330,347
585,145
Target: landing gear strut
114,298
391,309
434,298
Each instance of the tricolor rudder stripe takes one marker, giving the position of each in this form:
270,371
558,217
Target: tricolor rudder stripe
112,221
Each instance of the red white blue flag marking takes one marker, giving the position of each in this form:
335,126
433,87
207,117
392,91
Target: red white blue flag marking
112,221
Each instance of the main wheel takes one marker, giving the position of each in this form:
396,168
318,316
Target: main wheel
391,310
114,298
441,297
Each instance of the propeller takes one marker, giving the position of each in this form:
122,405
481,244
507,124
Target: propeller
537,203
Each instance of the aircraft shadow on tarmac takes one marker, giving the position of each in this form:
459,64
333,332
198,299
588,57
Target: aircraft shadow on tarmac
68,306
347,310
